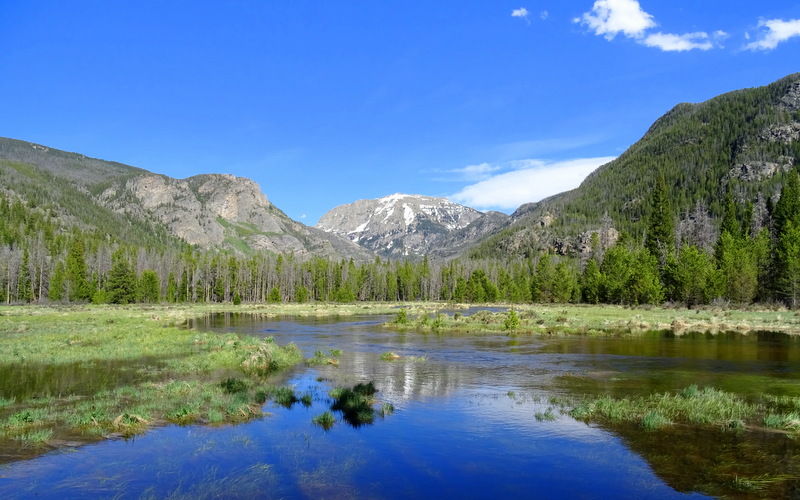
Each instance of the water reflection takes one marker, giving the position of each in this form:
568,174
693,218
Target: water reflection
23,381
465,423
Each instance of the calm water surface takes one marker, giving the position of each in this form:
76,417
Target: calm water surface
464,424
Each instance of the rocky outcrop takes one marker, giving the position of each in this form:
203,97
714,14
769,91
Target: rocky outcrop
782,133
791,101
757,170
399,225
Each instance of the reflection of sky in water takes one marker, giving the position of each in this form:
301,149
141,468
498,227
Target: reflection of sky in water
456,431
471,444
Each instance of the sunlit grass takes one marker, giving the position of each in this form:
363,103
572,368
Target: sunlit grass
185,391
324,420
701,407
581,319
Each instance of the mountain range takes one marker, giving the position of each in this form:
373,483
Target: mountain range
741,143
139,207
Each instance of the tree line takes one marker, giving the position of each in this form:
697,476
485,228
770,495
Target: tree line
751,255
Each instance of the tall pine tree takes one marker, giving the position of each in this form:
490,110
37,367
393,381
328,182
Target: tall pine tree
660,238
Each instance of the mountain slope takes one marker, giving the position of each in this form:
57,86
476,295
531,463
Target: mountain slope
399,225
743,141
210,210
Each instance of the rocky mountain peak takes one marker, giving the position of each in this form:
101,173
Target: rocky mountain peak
399,224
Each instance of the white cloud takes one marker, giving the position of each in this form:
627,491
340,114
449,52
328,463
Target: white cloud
611,17
521,12
544,15
532,180
669,42
777,31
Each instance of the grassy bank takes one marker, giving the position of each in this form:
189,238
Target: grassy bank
569,319
694,406
127,369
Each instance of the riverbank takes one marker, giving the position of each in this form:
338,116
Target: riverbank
579,319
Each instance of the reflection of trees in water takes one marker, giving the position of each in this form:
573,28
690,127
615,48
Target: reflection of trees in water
408,379
718,462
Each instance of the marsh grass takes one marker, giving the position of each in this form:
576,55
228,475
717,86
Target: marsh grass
325,420
320,358
603,320
184,389
34,437
283,396
700,407
355,403
545,416
389,356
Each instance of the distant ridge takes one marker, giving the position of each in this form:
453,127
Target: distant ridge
210,210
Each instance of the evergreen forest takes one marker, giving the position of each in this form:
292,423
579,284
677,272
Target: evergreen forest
753,256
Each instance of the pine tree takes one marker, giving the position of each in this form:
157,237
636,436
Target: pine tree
786,218
56,290
149,289
172,289
789,255
121,280
591,282
24,284
76,274
788,206
660,238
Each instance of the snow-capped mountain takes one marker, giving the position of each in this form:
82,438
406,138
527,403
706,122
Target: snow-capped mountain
398,225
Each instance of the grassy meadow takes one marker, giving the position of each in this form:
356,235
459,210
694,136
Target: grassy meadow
580,319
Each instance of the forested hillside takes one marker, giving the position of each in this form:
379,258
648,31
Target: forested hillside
743,142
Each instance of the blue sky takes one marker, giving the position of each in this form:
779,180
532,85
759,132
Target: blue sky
490,103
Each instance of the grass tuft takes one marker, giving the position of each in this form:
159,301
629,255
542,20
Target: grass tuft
324,420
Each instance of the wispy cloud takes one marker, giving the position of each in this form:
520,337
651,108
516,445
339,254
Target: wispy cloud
542,147
610,18
669,42
527,181
777,31
474,173
525,14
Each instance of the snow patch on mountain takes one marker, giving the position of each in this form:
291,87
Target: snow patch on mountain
398,225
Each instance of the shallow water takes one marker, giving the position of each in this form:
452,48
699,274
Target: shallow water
465,422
